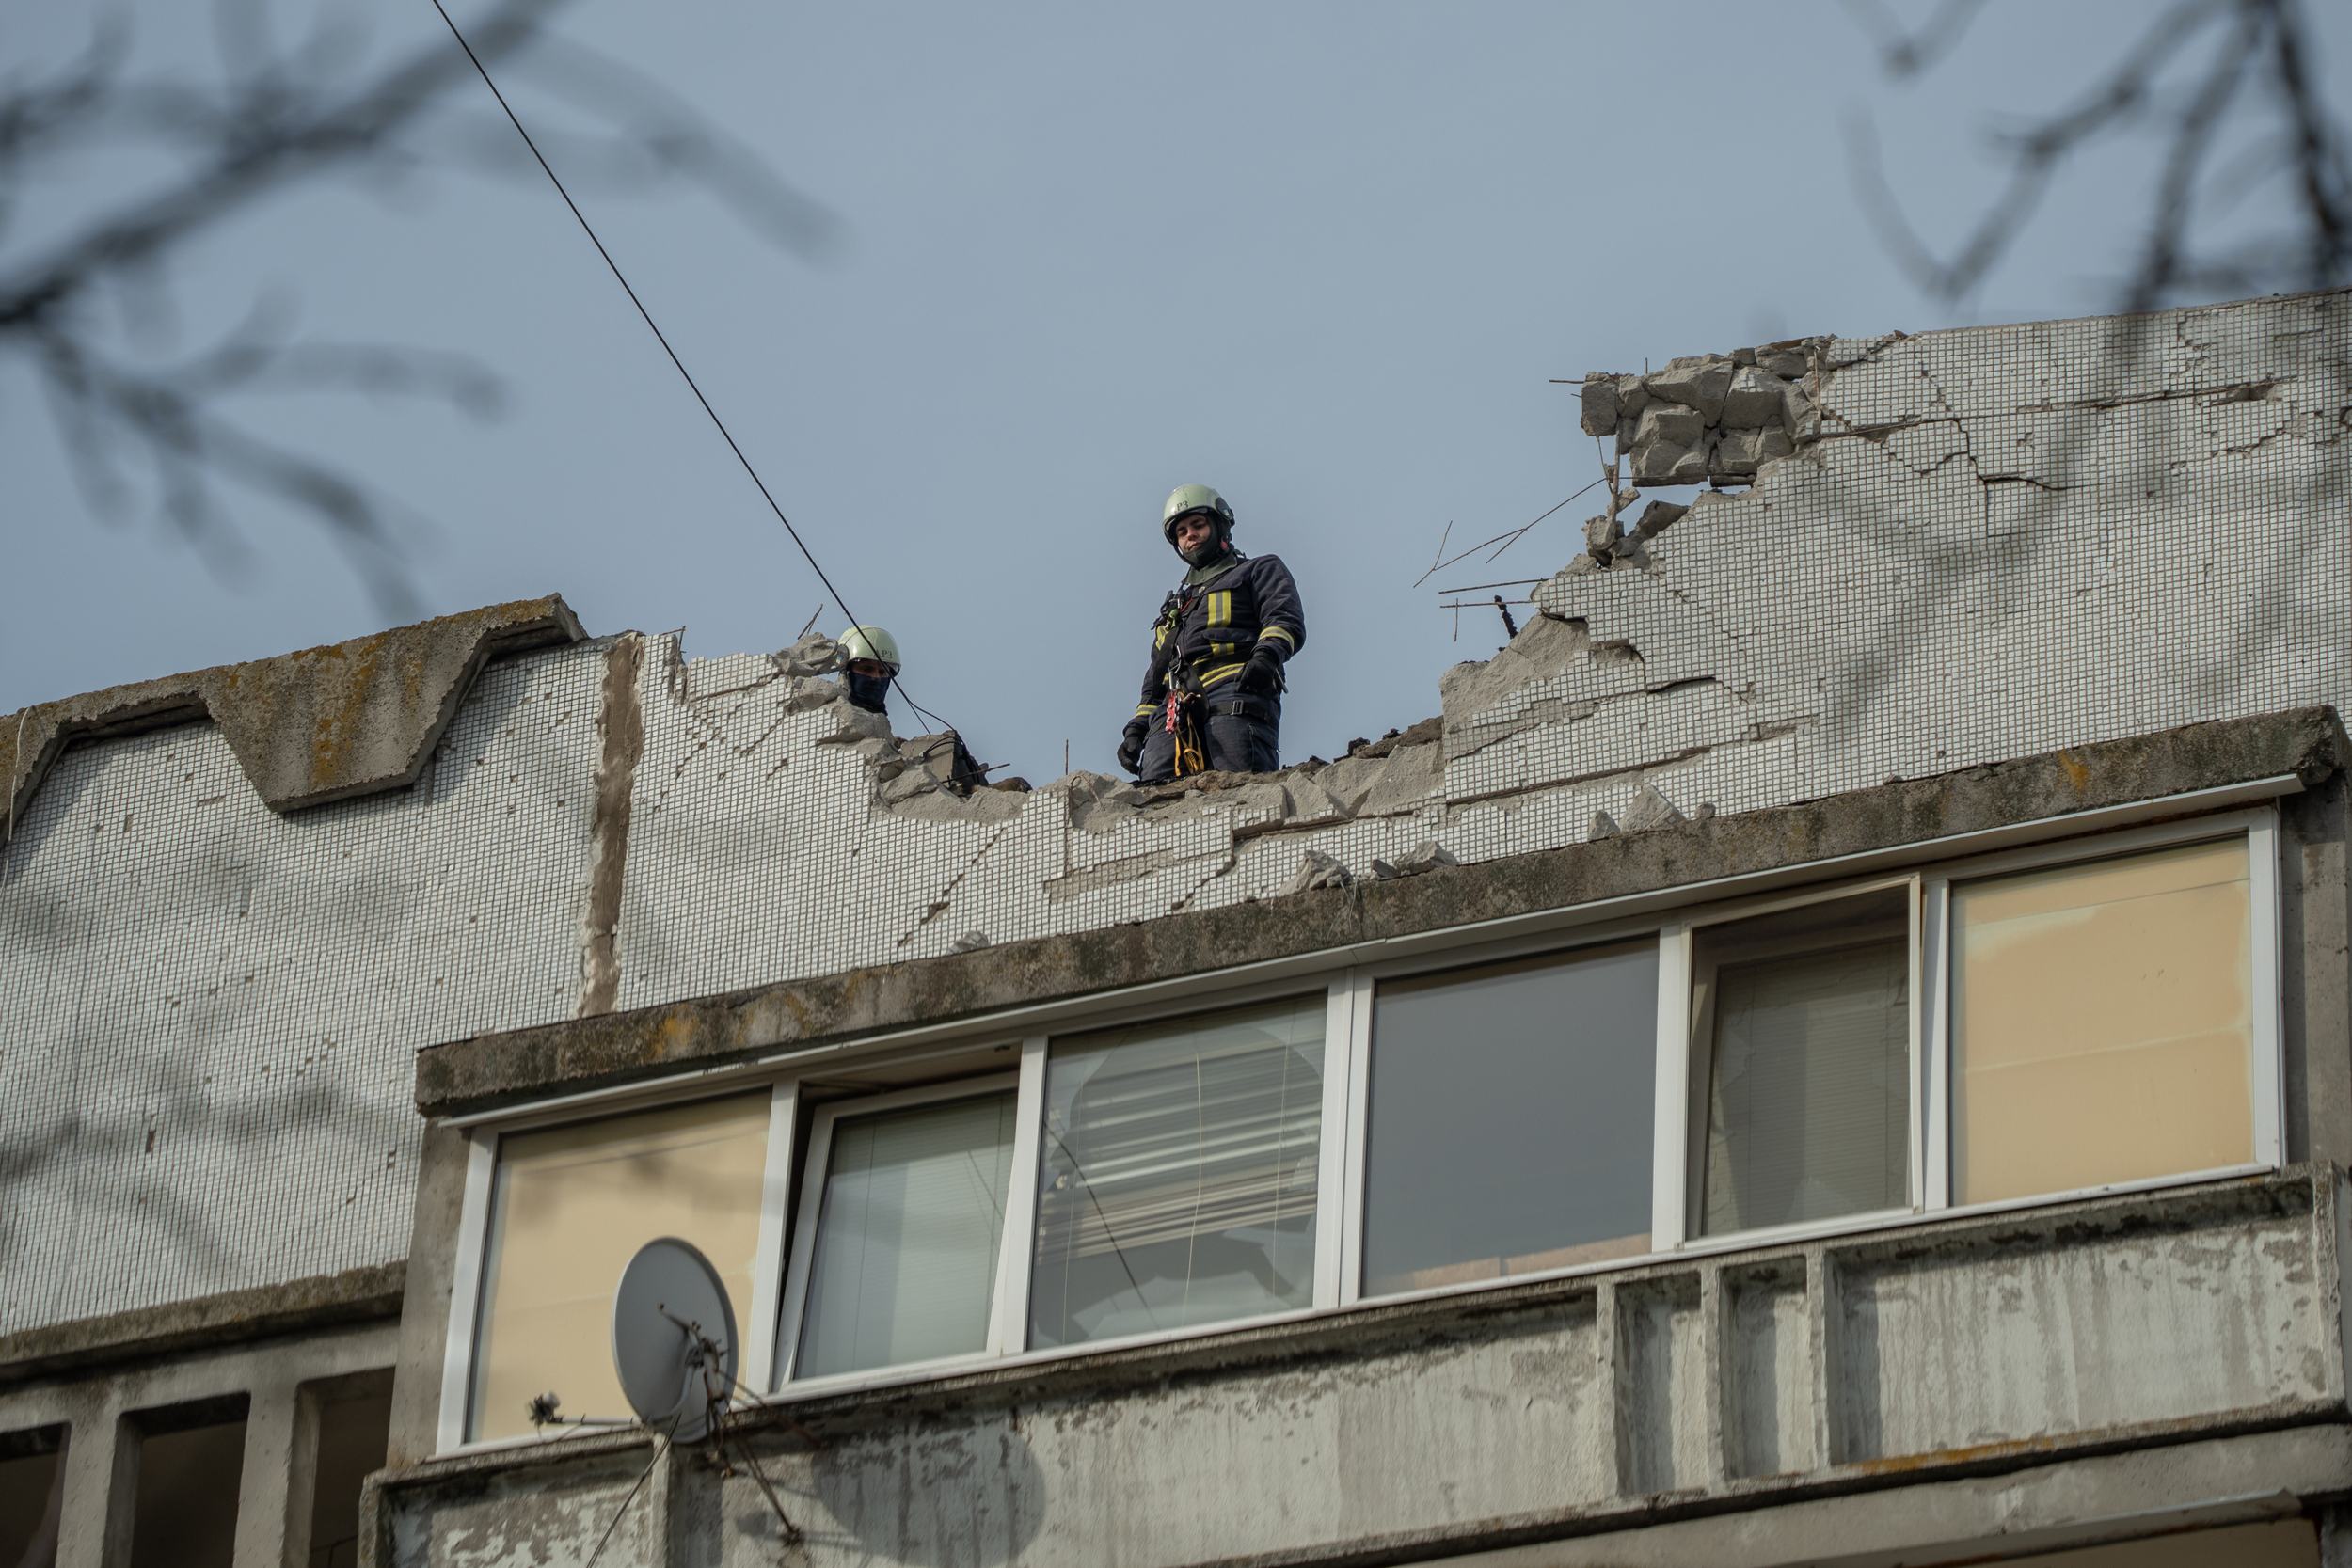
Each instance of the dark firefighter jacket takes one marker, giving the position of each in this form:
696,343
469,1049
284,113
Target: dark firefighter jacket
1217,623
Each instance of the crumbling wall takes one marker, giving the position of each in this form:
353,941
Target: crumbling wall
1979,544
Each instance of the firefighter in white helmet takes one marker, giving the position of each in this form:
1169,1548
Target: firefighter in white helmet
1213,690
869,662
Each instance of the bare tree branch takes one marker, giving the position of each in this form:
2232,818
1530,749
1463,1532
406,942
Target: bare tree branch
277,118
2250,59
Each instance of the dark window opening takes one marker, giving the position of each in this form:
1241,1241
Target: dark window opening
32,1494
191,1461
354,1423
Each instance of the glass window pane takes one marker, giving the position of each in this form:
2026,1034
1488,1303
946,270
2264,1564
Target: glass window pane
1806,1015
1511,1118
905,1265
1177,1182
2124,987
569,1207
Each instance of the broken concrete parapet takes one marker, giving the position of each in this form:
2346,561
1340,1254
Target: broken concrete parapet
1414,773
1692,422
813,655
1475,694
1319,870
1097,802
1599,408
1740,452
1753,401
1651,809
1698,382
946,805
1425,856
323,724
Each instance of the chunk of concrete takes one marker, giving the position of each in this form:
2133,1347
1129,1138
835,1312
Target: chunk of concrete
1754,400
1309,800
1632,397
1098,803
1604,826
1545,647
1796,413
1425,856
852,724
1656,517
1699,383
1412,775
1319,870
946,805
971,941
813,655
1651,809
1738,451
1670,424
1668,463
1601,533
1599,410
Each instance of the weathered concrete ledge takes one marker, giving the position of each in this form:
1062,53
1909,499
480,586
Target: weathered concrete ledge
307,727
488,1070
1388,1395
356,1295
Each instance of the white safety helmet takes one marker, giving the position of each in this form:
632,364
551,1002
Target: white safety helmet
870,643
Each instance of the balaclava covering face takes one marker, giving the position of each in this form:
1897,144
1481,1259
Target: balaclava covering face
870,693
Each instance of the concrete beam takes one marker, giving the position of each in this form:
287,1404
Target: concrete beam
322,724
357,1295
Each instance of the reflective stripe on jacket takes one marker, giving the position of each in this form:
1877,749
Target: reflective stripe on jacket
1219,624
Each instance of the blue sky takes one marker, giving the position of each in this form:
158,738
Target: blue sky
1326,257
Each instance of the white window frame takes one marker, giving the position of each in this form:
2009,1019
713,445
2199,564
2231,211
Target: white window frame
469,1272
1002,1337
793,1182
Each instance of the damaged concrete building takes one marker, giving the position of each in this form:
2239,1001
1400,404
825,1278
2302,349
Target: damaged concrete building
1831,1048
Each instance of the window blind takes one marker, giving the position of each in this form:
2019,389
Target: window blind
1178,1176
2102,1022
904,1266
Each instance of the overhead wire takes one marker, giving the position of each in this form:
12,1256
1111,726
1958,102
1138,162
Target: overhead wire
727,435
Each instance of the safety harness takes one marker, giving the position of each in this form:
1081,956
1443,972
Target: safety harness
1181,715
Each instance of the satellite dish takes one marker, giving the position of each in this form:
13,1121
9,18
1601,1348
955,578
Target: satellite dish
673,1338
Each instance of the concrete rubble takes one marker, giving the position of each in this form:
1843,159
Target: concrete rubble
1705,416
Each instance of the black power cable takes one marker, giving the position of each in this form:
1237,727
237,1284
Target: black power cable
724,433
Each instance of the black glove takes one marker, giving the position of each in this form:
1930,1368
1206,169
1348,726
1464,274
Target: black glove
1131,749
1265,673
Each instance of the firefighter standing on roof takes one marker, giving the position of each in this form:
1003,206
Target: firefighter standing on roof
1212,693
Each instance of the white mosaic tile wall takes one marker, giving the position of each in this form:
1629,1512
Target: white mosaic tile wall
2015,538
208,1011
